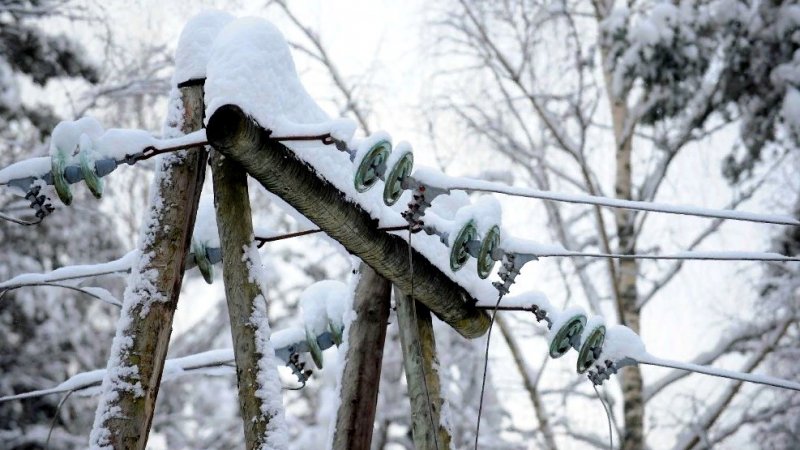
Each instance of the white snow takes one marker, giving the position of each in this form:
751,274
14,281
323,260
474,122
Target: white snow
122,264
621,342
205,226
269,384
250,65
287,337
31,167
348,317
194,44
646,358
441,180
791,108
316,300
511,244
67,134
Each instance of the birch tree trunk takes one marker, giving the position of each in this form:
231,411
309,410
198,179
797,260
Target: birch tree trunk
363,361
626,289
130,388
260,405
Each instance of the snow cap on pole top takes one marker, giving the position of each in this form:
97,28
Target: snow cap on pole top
194,45
250,65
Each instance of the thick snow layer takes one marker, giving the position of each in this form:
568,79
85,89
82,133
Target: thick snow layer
621,342
791,108
269,384
205,226
511,244
341,362
31,167
317,299
66,135
287,337
250,65
122,264
194,44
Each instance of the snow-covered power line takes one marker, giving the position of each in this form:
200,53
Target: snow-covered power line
431,178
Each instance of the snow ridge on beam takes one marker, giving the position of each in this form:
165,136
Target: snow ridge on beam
237,136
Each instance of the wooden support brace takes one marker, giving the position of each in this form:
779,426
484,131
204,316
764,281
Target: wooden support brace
363,361
235,225
125,412
422,373
240,138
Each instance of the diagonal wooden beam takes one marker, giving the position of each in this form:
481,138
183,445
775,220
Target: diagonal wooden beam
262,416
422,374
240,138
362,370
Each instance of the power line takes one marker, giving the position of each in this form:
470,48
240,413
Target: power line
466,184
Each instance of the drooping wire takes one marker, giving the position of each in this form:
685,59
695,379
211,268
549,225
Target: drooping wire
434,427
485,368
55,418
263,240
20,221
608,416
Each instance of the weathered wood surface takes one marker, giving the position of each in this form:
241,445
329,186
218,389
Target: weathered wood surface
422,373
235,224
238,137
362,371
127,416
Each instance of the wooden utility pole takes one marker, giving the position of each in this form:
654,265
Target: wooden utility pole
140,346
238,137
422,373
362,370
234,221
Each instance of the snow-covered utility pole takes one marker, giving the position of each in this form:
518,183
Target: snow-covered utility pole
279,170
139,349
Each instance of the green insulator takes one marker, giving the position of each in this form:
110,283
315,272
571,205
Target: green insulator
336,332
58,165
93,182
393,187
586,356
566,335
367,172
203,263
314,348
458,250
489,244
